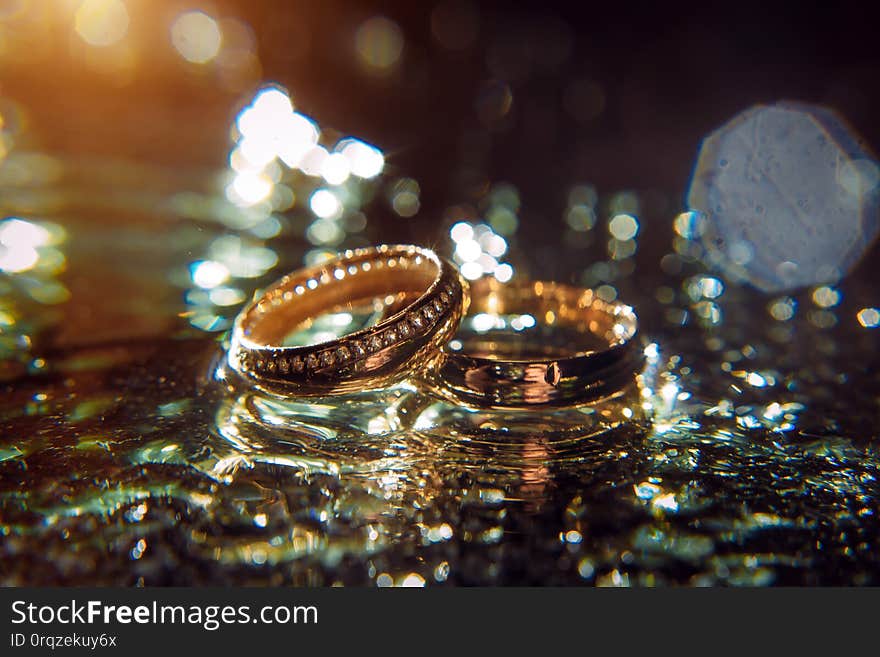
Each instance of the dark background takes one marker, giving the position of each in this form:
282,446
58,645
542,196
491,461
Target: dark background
669,73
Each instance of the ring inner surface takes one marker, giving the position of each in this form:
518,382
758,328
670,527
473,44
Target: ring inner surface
539,321
295,305
345,319
539,342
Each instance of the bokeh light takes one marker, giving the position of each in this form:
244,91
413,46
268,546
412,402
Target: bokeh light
379,43
789,195
299,137
623,227
102,22
782,309
689,225
19,259
336,169
869,317
209,274
276,159
249,188
364,160
493,102
478,251
580,215
404,194
196,36
325,204
19,244
826,297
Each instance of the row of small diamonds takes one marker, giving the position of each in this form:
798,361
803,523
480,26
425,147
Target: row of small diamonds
279,364
283,295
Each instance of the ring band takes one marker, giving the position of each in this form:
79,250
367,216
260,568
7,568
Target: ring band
537,343
423,292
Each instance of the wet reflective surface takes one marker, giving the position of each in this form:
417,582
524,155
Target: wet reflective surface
743,453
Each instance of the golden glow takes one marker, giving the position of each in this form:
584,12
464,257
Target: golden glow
196,36
102,22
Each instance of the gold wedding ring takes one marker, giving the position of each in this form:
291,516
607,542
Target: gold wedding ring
524,344
536,343
422,298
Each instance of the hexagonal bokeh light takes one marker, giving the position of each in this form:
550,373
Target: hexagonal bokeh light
788,196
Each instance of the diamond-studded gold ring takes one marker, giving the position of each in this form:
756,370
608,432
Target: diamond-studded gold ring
422,298
537,343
